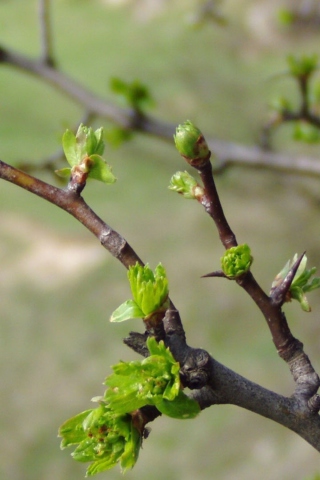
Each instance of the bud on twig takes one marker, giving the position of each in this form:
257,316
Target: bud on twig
186,185
300,284
236,261
192,145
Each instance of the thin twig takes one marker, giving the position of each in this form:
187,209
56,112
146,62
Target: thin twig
288,347
74,204
227,153
47,56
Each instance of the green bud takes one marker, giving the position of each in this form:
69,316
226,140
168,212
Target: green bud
186,185
149,289
302,66
191,144
305,132
236,261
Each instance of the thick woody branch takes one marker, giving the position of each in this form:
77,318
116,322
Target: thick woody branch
214,384
229,387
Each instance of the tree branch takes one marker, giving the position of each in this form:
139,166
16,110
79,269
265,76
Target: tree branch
227,153
289,348
211,382
70,201
214,384
45,33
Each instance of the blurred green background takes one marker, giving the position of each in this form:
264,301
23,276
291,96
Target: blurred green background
59,286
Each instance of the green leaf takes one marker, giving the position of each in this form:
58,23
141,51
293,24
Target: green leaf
99,142
100,170
126,311
131,450
72,431
300,284
154,381
102,465
186,185
298,294
69,145
182,407
103,438
83,152
135,94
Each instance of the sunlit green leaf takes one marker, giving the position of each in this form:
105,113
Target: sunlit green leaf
182,407
69,145
72,431
100,170
126,311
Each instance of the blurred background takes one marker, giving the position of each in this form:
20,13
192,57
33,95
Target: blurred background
59,286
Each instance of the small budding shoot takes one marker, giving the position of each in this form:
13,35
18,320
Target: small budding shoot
192,145
184,184
300,284
149,290
84,152
302,66
236,261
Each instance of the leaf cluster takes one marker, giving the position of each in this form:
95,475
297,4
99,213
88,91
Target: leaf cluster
150,292
103,437
154,381
84,152
107,435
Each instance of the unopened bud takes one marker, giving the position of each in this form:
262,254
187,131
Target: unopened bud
192,145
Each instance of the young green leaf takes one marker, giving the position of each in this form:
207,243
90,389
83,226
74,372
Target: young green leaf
72,431
100,170
300,284
149,289
70,149
103,437
154,381
183,407
186,185
126,311
83,152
